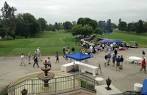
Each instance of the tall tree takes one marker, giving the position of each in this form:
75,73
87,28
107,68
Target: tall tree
132,26
8,18
67,25
87,21
42,23
27,25
122,26
82,30
140,28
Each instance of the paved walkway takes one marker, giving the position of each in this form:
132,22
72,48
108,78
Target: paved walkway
10,69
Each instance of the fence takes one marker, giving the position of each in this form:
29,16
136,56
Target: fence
56,85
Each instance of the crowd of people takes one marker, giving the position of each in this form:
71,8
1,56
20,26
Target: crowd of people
112,57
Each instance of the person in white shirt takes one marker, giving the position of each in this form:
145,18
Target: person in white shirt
22,58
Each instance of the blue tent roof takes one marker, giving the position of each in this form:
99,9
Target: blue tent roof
106,41
144,88
110,41
78,56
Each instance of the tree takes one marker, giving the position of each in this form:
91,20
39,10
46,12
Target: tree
145,26
42,23
87,21
86,30
76,29
8,17
98,31
140,28
27,25
131,27
122,26
67,25
82,30
50,27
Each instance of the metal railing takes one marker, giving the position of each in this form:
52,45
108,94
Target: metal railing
56,85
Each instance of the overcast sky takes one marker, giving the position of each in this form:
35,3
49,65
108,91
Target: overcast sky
71,10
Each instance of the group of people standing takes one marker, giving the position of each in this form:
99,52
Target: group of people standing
36,58
116,59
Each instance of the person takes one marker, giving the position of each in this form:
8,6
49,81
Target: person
35,61
115,52
121,61
117,63
22,59
143,65
108,58
57,57
113,59
38,52
73,49
143,53
29,58
64,51
48,61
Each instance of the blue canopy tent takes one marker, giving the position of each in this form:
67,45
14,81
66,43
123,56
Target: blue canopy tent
106,41
111,41
144,88
78,56
118,42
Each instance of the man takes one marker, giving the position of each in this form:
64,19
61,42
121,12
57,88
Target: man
143,53
22,59
35,61
57,57
143,65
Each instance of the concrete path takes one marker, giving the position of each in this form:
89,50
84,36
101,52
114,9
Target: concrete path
10,69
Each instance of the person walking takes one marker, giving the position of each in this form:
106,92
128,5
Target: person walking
115,52
22,58
35,61
117,63
57,57
29,58
143,65
113,59
108,58
143,53
121,62
49,62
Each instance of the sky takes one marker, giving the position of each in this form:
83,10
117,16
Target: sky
70,10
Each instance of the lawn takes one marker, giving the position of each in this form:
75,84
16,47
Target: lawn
141,39
49,43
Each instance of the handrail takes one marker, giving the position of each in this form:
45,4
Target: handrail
55,81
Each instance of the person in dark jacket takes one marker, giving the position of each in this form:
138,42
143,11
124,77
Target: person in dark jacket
117,63
113,59
121,61
57,57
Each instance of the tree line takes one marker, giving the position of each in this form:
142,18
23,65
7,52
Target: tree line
138,27
24,24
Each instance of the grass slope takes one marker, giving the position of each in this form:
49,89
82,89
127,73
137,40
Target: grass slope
49,43
140,39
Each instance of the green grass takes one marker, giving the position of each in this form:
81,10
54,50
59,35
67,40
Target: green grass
141,39
49,43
